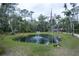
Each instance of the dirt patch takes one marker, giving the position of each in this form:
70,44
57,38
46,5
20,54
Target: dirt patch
17,51
60,51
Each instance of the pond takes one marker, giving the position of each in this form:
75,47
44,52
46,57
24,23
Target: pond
40,39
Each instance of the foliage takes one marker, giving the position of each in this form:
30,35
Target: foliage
14,19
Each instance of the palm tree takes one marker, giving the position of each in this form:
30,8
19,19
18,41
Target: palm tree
67,13
65,6
73,4
73,15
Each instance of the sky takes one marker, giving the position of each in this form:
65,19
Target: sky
44,8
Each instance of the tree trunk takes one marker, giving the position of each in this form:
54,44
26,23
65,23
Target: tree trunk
73,29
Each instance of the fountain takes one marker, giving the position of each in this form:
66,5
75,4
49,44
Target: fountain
39,39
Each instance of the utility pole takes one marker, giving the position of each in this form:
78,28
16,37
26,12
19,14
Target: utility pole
51,26
51,20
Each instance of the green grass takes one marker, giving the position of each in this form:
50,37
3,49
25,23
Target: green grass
69,46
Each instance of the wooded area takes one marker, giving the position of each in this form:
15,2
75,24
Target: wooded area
13,19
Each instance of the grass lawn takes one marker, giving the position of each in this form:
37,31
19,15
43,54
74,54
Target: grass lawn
9,47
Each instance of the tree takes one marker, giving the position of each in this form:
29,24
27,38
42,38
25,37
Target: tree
67,13
73,15
42,25
24,13
5,11
65,6
58,19
13,19
30,15
65,24
73,4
